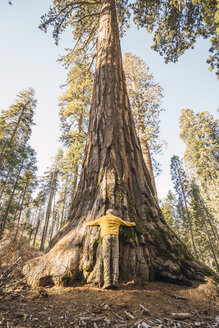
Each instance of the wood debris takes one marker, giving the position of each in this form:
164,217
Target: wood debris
180,316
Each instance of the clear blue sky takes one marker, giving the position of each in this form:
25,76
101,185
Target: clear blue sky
28,58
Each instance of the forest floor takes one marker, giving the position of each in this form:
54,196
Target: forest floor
158,304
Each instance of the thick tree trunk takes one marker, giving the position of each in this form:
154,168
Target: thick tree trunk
113,175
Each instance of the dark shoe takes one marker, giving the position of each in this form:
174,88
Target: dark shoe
114,287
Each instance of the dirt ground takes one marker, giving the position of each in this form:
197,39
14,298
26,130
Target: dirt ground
158,304
87,306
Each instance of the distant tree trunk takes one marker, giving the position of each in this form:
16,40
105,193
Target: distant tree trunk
113,175
54,214
37,226
148,162
34,216
74,184
212,249
4,183
21,208
5,216
48,212
188,217
30,235
144,145
61,217
76,170
210,242
213,230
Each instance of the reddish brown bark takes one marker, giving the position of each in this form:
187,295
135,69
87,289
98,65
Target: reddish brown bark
114,175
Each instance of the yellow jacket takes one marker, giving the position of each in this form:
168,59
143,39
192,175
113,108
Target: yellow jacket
109,224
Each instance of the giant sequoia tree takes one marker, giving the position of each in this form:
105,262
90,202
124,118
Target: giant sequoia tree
113,175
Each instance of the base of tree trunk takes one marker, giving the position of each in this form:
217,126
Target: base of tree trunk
77,257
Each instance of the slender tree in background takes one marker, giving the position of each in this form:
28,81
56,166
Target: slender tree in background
27,186
170,211
74,109
181,183
113,174
145,99
52,182
38,203
22,180
205,231
16,123
200,132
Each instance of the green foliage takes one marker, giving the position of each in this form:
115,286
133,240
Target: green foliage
17,183
181,185
75,103
82,18
17,120
17,159
50,186
205,227
177,24
170,212
178,177
145,98
189,215
200,132
74,110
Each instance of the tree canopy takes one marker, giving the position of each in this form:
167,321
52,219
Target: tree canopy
176,24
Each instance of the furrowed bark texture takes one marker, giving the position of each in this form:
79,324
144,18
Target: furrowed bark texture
114,175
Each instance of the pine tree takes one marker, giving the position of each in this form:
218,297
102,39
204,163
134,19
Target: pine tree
74,110
52,182
205,230
178,24
200,132
23,173
145,99
38,203
16,123
170,212
17,159
27,186
181,186
113,174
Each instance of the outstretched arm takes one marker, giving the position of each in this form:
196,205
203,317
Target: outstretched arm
128,224
93,223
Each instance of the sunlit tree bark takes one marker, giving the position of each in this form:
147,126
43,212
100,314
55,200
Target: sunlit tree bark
113,175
